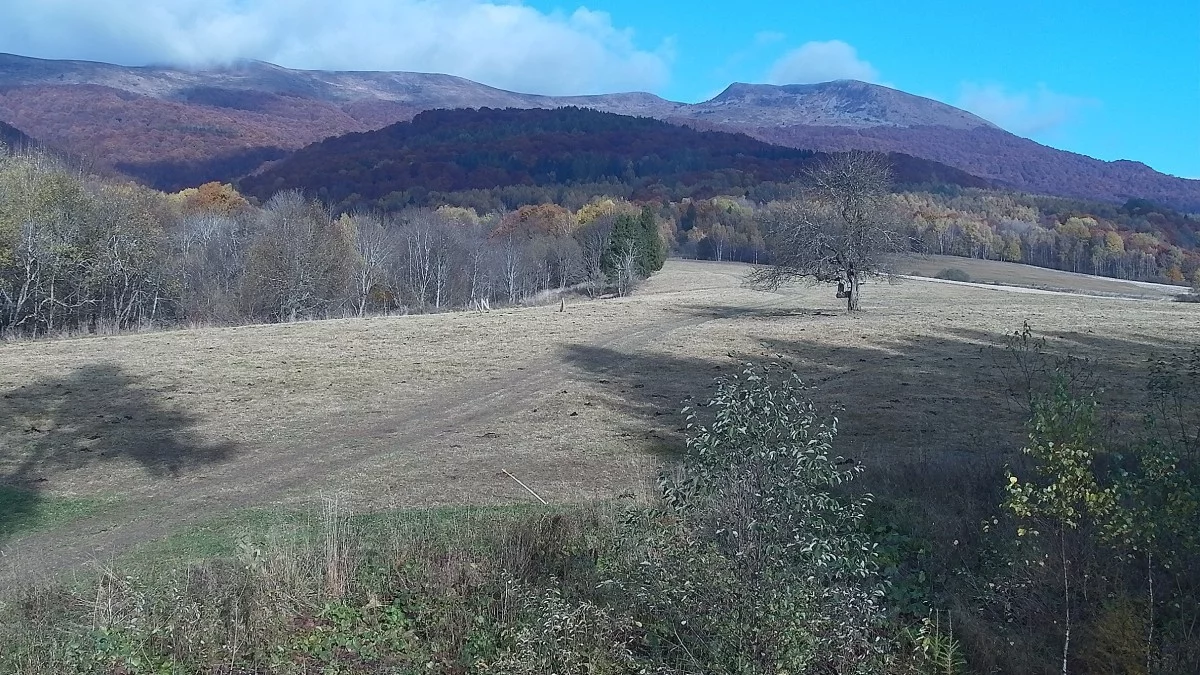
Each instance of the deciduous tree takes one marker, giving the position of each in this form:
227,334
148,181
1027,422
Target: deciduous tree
842,232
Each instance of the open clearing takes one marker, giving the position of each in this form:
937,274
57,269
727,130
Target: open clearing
168,429
996,272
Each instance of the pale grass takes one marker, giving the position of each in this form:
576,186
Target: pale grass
426,411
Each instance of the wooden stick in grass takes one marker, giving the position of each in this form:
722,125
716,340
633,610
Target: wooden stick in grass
530,490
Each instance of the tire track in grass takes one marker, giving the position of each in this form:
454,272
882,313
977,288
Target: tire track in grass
340,448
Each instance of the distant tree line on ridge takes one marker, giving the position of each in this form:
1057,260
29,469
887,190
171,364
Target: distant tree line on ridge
502,159
714,185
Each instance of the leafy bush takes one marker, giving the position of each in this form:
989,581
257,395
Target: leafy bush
953,274
1108,546
790,574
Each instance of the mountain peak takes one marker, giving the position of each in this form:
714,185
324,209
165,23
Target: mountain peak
743,89
174,127
840,103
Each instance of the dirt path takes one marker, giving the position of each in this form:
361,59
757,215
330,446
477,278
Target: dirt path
449,447
424,411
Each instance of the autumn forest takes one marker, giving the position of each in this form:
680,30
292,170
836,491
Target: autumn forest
469,208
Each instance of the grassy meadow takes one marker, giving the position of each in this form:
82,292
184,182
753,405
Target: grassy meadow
314,469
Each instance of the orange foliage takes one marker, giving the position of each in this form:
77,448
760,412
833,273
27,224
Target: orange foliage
214,197
529,221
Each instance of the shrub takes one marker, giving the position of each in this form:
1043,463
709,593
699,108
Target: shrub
1108,544
953,274
765,548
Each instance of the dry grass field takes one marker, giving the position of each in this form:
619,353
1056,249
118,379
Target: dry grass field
996,272
167,429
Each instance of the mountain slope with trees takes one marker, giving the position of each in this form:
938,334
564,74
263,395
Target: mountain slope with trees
173,128
715,189
420,162
13,137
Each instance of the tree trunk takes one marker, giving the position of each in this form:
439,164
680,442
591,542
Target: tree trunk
852,293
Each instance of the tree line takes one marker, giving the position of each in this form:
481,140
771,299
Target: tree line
78,253
1138,240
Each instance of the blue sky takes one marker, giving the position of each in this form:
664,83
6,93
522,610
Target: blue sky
1114,80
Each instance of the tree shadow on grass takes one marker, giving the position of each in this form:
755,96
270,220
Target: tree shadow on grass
712,311
95,419
931,417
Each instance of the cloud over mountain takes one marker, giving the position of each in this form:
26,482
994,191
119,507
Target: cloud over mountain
815,62
509,45
1029,113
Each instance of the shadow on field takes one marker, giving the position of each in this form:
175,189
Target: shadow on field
931,418
91,419
751,312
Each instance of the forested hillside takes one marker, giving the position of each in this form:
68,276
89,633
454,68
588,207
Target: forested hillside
710,186
173,128
420,163
12,137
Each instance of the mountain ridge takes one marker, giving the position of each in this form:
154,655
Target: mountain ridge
173,127
849,103
540,152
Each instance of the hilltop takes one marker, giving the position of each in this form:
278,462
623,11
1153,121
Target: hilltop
174,127
443,151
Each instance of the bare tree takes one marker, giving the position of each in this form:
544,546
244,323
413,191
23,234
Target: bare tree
210,258
301,263
425,256
372,255
478,264
843,231
594,240
626,272
513,268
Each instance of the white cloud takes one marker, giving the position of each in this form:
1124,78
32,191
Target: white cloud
821,62
1023,112
505,44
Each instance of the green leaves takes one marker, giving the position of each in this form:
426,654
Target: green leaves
1125,516
791,577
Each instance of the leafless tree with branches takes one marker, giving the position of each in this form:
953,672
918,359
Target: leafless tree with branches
842,231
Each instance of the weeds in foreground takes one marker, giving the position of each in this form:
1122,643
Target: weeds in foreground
759,558
754,562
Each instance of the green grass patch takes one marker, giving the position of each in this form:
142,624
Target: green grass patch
221,536
25,511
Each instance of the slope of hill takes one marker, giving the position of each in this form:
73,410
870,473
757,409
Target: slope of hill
175,127
13,137
997,155
842,103
452,150
172,128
